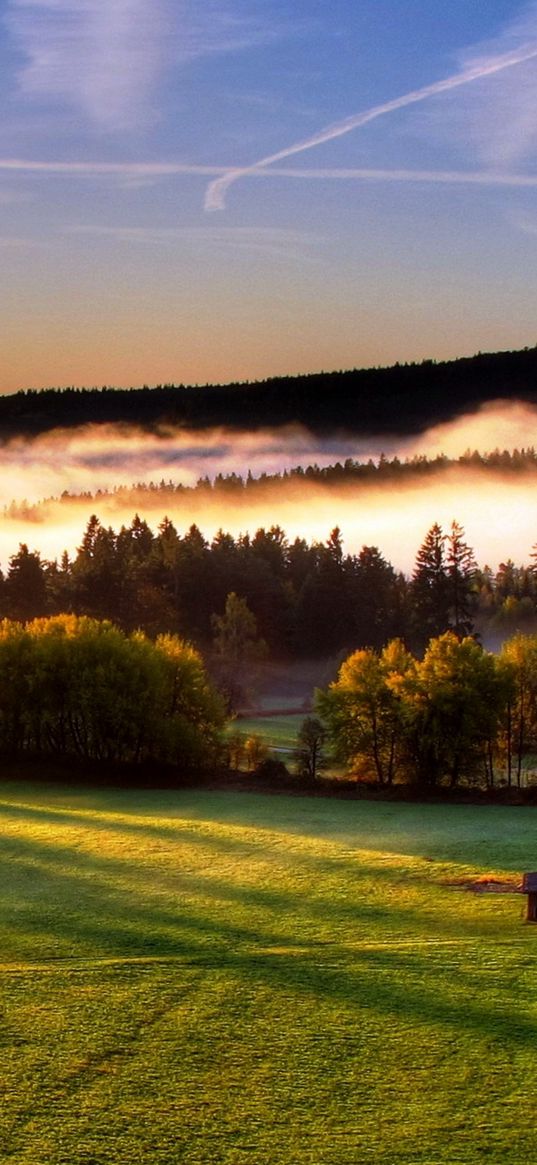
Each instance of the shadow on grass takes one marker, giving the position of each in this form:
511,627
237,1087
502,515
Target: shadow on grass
412,830
91,907
62,873
102,906
366,981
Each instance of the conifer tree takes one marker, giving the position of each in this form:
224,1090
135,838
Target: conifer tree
25,585
461,573
430,587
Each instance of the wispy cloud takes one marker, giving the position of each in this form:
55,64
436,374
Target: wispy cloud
100,55
499,120
527,223
119,169
434,177
18,243
476,70
153,170
274,241
217,26
105,57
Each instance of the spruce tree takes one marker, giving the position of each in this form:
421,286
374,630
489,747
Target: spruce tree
430,587
461,573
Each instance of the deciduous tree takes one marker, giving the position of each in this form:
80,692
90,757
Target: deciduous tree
457,703
310,739
364,711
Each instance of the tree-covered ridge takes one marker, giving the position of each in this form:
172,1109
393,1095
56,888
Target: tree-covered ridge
308,599
405,398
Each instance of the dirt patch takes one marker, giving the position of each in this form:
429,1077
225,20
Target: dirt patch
487,884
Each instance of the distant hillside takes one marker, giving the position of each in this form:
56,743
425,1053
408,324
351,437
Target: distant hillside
404,399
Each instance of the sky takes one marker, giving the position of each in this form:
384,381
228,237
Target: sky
210,190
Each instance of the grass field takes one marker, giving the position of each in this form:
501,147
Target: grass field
279,732
215,978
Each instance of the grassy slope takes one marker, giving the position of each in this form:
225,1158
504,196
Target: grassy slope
278,732
209,978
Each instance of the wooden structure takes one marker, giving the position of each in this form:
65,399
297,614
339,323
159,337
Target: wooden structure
529,887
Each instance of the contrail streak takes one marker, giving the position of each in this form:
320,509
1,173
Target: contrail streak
346,174
128,169
365,174
216,191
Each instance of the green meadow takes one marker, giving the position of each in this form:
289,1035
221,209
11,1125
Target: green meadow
216,978
279,732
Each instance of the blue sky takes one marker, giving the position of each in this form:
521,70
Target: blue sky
208,191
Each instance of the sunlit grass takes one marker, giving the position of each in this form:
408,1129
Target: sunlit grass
207,977
278,731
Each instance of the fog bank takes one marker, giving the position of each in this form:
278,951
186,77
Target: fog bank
498,512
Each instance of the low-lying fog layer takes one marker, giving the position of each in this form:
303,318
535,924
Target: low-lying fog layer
499,513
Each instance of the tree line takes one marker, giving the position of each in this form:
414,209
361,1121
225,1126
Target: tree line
458,715
358,400
72,686
78,687
308,599
351,472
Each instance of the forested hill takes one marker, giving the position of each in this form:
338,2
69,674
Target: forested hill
404,399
